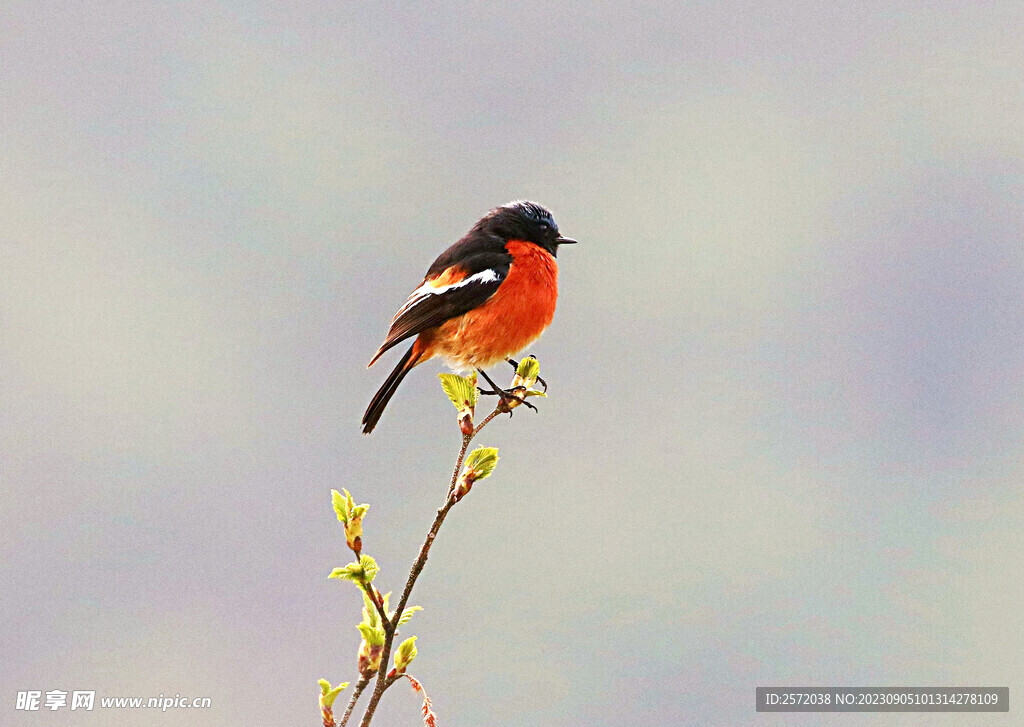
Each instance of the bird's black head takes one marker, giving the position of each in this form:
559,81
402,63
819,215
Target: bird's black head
526,221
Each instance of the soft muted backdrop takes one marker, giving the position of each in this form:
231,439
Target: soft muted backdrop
783,444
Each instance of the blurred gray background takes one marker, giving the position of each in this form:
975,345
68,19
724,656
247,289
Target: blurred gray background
783,444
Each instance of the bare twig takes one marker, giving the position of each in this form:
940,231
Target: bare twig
360,686
390,627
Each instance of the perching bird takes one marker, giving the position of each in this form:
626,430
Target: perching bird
486,297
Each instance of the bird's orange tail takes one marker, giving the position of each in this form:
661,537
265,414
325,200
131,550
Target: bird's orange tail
390,386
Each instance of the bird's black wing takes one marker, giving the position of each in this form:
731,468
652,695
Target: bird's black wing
447,293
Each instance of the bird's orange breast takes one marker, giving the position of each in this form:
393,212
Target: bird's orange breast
511,319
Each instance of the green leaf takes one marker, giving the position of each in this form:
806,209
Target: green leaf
531,392
351,572
345,507
461,391
371,635
405,654
362,572
328,694
370,614
407,614
482,461
528,369
369,567
340,508
333,694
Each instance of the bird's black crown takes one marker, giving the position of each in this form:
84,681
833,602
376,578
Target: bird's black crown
523,220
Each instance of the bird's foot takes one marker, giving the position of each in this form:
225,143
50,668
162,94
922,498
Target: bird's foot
510,398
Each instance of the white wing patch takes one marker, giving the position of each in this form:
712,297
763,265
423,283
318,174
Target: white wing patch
426,290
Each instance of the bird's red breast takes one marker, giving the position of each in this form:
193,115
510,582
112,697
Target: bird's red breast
511,319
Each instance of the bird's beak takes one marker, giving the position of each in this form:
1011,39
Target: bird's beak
565,241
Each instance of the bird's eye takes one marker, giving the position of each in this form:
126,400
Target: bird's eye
545,226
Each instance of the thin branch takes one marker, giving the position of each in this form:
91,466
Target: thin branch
383,681
360,686
466,439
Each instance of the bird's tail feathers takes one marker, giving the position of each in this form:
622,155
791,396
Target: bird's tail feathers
380,352
389,387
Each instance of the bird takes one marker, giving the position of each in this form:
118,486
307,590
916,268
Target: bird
486,297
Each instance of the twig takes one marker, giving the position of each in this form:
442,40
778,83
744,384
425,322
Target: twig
390,627
360,686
